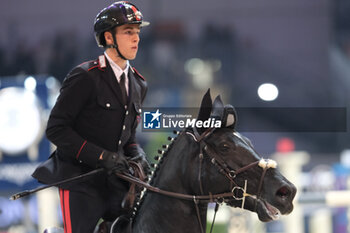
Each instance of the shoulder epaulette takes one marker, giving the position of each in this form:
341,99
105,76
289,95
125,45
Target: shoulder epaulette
100,63
138,74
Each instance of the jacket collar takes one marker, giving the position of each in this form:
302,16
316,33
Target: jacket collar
134,88
116,69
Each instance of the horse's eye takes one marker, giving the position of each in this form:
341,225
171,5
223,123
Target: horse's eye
225,147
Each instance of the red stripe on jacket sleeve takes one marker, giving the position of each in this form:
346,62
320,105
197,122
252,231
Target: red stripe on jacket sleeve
81,148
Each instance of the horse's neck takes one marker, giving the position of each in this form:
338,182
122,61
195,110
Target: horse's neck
159,213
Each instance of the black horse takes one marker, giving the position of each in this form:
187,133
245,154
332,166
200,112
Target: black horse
209,165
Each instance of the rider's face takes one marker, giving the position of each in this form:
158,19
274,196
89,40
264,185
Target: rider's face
128,38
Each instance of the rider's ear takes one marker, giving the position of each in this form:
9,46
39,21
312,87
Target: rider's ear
205,108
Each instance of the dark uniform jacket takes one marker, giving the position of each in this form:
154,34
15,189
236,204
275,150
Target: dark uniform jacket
89,117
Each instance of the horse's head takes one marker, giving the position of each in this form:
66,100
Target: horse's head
229,163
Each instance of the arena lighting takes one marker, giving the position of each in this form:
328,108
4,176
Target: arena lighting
194,66
20,119
268,92
30,83
51,83
202,71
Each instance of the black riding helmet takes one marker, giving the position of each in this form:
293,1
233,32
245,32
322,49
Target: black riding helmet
117,14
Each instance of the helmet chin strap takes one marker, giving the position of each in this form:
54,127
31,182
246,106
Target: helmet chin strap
115,45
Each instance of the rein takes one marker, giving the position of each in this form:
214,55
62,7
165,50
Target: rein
212,197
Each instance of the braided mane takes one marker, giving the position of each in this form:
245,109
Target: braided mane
163,152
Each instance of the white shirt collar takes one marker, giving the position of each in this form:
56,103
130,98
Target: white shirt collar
116,69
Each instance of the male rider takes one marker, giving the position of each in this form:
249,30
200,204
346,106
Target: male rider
93,123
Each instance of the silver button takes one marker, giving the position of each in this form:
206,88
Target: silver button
124,127
127,112
126,107
108,105
120,142
140,110
80,161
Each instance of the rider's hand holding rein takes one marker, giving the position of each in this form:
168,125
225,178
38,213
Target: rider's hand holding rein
135,153
113,162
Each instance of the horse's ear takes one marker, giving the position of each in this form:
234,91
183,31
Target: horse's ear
229,119
218,108
205,108
227,114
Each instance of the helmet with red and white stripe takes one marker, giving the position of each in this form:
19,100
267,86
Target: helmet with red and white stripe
117,14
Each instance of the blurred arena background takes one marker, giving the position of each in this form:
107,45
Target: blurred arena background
230,46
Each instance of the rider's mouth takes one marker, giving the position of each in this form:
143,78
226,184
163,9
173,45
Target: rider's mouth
271,211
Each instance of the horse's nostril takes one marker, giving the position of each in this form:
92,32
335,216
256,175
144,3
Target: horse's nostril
283,192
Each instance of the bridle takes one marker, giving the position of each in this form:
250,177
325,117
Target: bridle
223,168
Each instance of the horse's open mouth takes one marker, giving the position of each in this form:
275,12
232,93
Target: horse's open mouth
270,210
266,212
